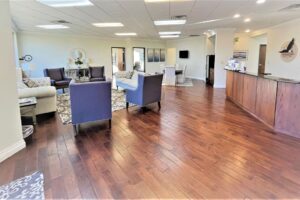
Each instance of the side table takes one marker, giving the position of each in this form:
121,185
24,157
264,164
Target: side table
27,107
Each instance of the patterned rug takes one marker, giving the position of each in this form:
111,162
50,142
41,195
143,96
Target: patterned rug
28,187
64,111
187,83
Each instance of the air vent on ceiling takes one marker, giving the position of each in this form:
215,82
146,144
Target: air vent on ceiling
60,22
194,35
178,17
292,7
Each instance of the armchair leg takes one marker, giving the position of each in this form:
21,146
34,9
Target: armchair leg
63,90
109,124
159,106
117,87
127,105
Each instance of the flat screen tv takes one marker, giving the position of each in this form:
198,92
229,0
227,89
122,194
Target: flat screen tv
184,54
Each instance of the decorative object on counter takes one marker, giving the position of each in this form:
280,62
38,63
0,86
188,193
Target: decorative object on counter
236,65
240,55
289,51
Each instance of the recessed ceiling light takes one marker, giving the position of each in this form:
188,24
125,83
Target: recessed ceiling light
169,36
66,3
247,20
247,30
260,1
170,33
237,16
53,26
169,22
125,34
113,24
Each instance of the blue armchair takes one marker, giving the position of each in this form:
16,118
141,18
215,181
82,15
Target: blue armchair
90,101
148,90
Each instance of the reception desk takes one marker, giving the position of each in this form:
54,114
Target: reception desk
274,101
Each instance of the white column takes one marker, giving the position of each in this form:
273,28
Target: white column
11,139
223,51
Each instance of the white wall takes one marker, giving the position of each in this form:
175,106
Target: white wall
11,140
223,52
210,45
276,37
50,51
197,54
252,45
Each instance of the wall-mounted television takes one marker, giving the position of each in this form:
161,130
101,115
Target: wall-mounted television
184,54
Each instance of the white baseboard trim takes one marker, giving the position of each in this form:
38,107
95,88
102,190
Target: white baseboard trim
219,86
197,78
11,150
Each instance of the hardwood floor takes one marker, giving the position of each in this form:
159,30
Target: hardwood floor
199,145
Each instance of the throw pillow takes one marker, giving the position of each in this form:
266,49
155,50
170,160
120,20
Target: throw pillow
129,74
30,83
97,72
24,75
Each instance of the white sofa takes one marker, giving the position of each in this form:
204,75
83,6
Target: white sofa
127,79
45,93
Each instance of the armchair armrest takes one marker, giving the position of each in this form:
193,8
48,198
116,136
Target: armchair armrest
42,82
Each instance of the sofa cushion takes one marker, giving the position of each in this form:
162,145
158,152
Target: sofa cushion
55,74
21,85
38,92
129,74
97,79
30,83
96,72
127,83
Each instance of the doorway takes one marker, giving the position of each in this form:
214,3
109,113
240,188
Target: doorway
139,59
262,58
118,61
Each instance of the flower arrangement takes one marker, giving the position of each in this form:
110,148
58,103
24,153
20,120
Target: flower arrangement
78,61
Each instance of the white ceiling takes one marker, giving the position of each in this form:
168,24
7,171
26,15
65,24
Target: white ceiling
138,16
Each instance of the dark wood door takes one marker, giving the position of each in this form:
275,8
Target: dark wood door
262,58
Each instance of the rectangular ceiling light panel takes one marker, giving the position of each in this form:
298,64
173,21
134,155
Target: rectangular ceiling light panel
169,36
53,26
169,22
113,24
125,34
170,33
66,3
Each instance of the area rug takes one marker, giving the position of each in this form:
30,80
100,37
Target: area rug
64,111
28,187
187,83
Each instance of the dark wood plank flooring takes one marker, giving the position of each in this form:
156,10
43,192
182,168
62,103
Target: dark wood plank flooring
199,145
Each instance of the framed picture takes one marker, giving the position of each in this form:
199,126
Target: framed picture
240,55
156,55
162,55
150,55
